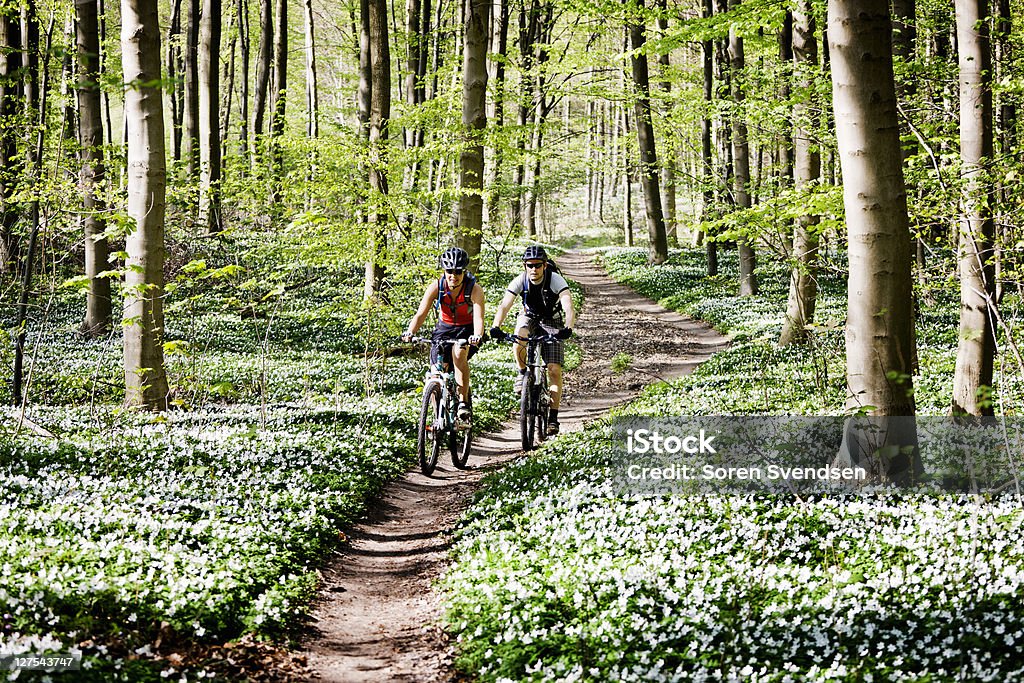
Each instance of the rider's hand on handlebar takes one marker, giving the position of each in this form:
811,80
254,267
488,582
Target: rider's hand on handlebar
497,334
406,337
475,340
563,334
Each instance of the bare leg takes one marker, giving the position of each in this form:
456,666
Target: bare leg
519,349
460,359
555,384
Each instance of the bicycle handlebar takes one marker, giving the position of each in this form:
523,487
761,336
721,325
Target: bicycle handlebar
442,342
545,338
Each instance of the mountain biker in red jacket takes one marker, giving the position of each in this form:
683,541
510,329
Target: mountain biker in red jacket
460,304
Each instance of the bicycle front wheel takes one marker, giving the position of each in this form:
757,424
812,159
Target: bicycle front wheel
541,411
526,423
429,438
460,440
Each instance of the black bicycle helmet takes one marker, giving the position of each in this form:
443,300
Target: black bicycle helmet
535,253
454,258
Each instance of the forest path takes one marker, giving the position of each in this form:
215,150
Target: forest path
377,617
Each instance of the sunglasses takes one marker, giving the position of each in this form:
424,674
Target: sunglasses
454,271
537,264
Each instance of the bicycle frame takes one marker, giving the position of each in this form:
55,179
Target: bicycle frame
438,425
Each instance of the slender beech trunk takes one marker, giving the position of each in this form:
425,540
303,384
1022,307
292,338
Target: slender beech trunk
191,143
209,117
657,242
243,97
380,113
412,74
785,148
500,48
108,125
312,92
280,101
98,310
976,348
668,166
707,160
803,284
173,91
741,162
227,100
11,162
35,158
474,122
264,63
627,185
145,380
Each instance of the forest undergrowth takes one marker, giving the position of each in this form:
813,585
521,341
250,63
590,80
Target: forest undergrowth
560,574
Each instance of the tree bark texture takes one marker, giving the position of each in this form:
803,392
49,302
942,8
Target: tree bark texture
145,380
264,64
741,163
173,65
707,160
190,144
657,241
880,318
243,97
209,118
380,113
976,347
92,177
280,101
11,162
474,122
803,284
668,166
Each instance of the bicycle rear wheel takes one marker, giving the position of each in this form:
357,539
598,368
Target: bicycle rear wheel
428,442
526,424
460,441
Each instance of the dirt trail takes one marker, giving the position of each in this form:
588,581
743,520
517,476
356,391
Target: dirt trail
377,618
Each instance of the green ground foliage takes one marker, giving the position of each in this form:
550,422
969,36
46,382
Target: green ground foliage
560,576
291,410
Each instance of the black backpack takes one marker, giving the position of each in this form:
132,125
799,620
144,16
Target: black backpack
552,306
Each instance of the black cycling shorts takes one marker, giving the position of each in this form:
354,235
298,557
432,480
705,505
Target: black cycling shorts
447,331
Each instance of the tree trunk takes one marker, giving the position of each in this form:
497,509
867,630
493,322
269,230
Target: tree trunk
803,287
191,143
500,48
11,162
173,91
474,122
627,186
976,349
108,126
657,241
145,380
312,92
785,148
280,101
879,328
668,168
264,63
707,160
243,99
741,163
209,118
380,113
98,312
227,100
880,317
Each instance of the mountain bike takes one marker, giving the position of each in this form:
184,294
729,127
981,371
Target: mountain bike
534,399
438,427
